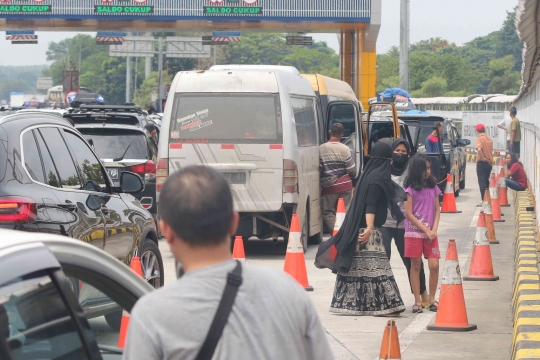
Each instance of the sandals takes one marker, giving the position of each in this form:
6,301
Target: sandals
434,306
417,308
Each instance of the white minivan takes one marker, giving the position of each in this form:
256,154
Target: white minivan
261,126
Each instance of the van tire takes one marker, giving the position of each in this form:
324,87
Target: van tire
304,235
315,239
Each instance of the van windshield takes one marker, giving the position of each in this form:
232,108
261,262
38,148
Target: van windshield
223,118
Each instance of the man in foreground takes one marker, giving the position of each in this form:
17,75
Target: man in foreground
271,317
336,163
484,159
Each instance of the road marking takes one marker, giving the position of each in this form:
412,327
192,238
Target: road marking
411,332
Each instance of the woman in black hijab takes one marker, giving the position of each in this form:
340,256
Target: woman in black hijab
365,284
391,228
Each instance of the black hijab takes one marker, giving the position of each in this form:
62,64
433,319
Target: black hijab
377,172
397,167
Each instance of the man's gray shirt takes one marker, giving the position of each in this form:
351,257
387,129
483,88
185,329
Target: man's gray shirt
272,318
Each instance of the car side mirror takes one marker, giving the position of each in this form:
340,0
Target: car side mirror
94,202
130,182
463,142
91,142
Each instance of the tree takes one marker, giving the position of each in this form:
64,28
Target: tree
388,69
143,95
434,87
114,73
504,80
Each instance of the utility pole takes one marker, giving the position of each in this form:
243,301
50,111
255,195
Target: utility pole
404,46
214,55
128,79
160,74
148,64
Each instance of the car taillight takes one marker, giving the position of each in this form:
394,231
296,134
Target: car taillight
162,172
290,176
17,210
148,169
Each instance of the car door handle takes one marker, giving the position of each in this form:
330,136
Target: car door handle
68,206
105,210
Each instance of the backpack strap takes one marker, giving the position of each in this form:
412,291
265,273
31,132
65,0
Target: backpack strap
234,280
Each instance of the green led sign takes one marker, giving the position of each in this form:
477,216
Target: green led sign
232,10
23,9
125,10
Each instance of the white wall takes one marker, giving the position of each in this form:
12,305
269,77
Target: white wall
490,120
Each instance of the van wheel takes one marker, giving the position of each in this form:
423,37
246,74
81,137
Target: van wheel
114,320
462,181
304,235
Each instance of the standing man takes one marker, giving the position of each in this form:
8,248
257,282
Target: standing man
336,163
505,125
515,133
484,159
151,131
433,141
271,316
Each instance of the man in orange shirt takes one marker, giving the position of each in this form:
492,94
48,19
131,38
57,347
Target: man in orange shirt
484,159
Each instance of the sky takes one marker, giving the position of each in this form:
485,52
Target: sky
458,21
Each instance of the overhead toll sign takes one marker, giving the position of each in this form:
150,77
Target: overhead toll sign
124,10
233,10
25,9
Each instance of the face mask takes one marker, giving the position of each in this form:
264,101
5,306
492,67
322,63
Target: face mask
400,159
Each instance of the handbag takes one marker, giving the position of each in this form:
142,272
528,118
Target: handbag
234,280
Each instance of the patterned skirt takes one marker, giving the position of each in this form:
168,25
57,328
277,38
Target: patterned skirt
369,288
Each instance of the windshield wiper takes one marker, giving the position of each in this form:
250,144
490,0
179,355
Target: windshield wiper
124,154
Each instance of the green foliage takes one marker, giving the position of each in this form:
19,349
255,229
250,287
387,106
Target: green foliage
107,75
486,64
18,78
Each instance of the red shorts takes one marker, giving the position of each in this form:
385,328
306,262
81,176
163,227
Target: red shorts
415,247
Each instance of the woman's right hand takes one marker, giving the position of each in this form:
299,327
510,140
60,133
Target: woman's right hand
364,237
431,235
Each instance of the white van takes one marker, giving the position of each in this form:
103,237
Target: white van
259,126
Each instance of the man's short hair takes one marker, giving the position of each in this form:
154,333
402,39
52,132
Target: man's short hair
196,202
150,127
337,129
513,110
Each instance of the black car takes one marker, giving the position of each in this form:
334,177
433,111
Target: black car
452,159
51,181
118,137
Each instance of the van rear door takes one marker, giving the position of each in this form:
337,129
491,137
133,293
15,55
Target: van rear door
239,134
386,109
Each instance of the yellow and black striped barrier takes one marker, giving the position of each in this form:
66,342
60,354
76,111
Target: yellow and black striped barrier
526,298
472,158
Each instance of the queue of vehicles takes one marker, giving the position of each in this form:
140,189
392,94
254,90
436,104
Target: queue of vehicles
94,175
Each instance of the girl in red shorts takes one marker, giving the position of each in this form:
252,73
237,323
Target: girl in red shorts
422,212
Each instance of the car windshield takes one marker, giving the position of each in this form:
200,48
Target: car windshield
110,144
218,118
419,137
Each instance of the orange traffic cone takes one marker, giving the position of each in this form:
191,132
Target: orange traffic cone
340,216
390,342
481,268
295,263
494,194
486,208
449,200
238,249
452,313
136,267
503,191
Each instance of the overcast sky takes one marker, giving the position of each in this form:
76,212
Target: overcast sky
458,21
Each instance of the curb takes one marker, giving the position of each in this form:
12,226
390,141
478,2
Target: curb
526,295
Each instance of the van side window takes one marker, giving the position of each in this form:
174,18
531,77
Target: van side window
345,116
305,119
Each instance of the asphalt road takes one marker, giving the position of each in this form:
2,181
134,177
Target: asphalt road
359,337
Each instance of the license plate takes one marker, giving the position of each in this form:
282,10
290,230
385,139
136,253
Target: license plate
235,177
113,173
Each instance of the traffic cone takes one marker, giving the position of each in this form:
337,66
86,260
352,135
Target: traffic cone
452,313
295,263
136,267
449,200
390,342
494,194
481,268
238,249
340,216
486,208
503,191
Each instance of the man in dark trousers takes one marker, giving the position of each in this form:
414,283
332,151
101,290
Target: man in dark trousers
271,317
484,159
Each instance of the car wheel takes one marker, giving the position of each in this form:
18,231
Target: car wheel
114,320
152,264
462,181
